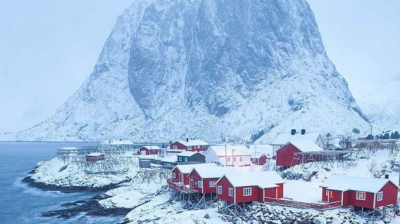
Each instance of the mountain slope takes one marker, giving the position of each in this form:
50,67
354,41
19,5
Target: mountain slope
206,69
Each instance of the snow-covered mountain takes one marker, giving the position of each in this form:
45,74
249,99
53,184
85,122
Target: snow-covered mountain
381,105
173,69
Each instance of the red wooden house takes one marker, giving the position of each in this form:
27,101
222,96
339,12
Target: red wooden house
150,150
249,187
203,179
259,159
285,155
360,192
179,176
190,145
94,157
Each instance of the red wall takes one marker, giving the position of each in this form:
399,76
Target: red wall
197,148
284,155
256,194
390,192
178,173
367,203
270,192
206,185
262,160
280,190
194,176
333,195
225,192
94,158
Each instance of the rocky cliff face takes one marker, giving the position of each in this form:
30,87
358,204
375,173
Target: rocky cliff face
209,68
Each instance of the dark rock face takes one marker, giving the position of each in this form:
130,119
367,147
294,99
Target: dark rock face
211,48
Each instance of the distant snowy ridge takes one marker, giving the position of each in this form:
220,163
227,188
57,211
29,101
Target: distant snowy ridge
207,69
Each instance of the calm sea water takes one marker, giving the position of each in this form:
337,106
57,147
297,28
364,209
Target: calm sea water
20,203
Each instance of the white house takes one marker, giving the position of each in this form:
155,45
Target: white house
229,155
282,139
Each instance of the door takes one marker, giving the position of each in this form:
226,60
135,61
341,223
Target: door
143,152
191,184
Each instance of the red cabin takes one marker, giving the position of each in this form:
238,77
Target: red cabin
179,175
94,157
203,179
190,145
259,159
360,192
249,187
150,150
285,155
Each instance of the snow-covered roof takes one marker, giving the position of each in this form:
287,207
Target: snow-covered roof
95,154
267,179
306,146
170,159
258,150
189,167
236,150
344,183
186,153
192,142
152,147
283,138
212,171
69,148
116,142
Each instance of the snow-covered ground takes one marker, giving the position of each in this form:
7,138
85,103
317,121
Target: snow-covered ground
151,202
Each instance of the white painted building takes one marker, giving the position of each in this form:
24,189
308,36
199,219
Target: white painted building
229,155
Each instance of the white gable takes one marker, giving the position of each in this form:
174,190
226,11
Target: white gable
344,183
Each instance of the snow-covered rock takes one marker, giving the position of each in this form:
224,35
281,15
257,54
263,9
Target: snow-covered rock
207,69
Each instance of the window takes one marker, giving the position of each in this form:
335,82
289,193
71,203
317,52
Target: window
212,184
379,196
247,191
234,159
180,158
327,192
231,192
240,159
186,159
228,159
200,184
360,195
219,189
175,147
174,175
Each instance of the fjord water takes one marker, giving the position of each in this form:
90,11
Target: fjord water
20,203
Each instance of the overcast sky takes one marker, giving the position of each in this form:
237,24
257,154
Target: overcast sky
49,47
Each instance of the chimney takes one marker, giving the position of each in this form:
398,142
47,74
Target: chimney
303,131
187,139
386,176
293,131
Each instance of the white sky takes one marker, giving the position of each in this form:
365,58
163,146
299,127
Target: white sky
48,48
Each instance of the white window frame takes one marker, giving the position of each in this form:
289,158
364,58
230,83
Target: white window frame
219,189
361,198
180,158
247,191
200,184
212,184
327,193
174,175
230,190
379,196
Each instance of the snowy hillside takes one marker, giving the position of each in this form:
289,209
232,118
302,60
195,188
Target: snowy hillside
382,104
206,69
